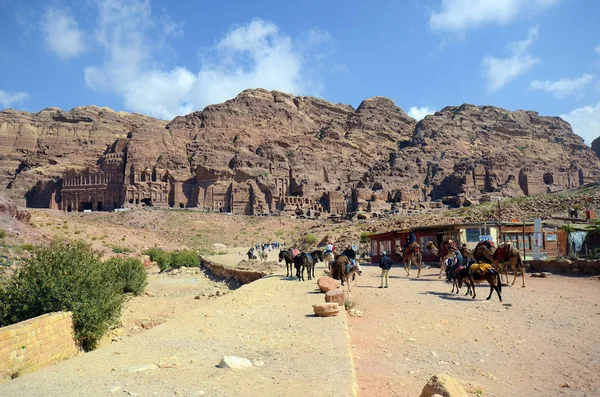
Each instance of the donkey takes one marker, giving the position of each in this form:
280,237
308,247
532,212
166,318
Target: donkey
303,261
288,256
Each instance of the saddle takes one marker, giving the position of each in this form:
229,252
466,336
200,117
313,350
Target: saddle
502,253
295,252
308,256
479,268
411,249
445,248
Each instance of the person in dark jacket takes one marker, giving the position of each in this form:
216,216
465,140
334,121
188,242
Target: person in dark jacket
385,264
411,237
351,254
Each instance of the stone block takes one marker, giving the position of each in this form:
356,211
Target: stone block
327,309
337,295
327,284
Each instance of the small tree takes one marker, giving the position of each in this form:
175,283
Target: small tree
310,239
65,277
130,273
186,258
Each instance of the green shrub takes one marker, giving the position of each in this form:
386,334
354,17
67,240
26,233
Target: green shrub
28,247
131,273
2,233
160,256
121,250
310,238
67,276
186,258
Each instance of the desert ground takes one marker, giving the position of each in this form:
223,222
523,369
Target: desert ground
541,340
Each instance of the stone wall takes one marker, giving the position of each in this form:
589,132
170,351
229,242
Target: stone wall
578,267
36,343
243,276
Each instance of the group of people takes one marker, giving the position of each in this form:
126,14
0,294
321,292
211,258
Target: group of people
386,262
269,246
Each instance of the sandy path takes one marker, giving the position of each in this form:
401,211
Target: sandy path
542,340
269,320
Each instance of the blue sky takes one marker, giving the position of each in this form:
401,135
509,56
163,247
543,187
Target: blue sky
165,58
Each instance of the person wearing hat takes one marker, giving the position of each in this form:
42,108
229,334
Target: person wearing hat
385,264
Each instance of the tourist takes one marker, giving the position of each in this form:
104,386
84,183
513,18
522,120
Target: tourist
351,254
385,264
329,248
410,238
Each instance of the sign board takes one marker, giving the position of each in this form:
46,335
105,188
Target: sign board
550,237
486,238
537,238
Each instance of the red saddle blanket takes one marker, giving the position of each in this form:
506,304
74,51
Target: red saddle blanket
295,252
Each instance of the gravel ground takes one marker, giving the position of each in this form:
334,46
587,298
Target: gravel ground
542,340
269,321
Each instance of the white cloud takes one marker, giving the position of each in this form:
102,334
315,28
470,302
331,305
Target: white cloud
253,55
460,15
499,71
585,122
564,87
62,34
7,99
420,113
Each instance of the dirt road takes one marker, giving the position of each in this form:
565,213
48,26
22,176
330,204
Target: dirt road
542,340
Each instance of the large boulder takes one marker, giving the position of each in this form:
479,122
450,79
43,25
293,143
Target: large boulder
444,385
327,284
336,295
327,309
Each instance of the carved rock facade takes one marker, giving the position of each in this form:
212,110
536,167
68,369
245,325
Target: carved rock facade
267,151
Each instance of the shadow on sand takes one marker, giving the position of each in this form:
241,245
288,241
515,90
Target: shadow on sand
448,296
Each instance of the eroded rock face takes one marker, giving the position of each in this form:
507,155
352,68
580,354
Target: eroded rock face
266,151
41,146
10,210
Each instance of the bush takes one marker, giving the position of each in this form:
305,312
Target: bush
2,233
160,256
310,238
131,273
186,258
67,276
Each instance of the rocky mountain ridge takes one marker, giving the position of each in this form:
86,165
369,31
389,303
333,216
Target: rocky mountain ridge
267,150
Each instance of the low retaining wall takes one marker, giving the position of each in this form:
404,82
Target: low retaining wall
243,276
580,266
36,343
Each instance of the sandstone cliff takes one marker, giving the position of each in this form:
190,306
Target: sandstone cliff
41,146
266,151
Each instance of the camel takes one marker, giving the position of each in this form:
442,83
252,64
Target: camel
499,258
412,254
338,270
481,272
445,252
507,254
288,256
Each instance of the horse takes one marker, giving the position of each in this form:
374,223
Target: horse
412,254
288,256
338,270
263,255
317,256
303,261
482,272
328,257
